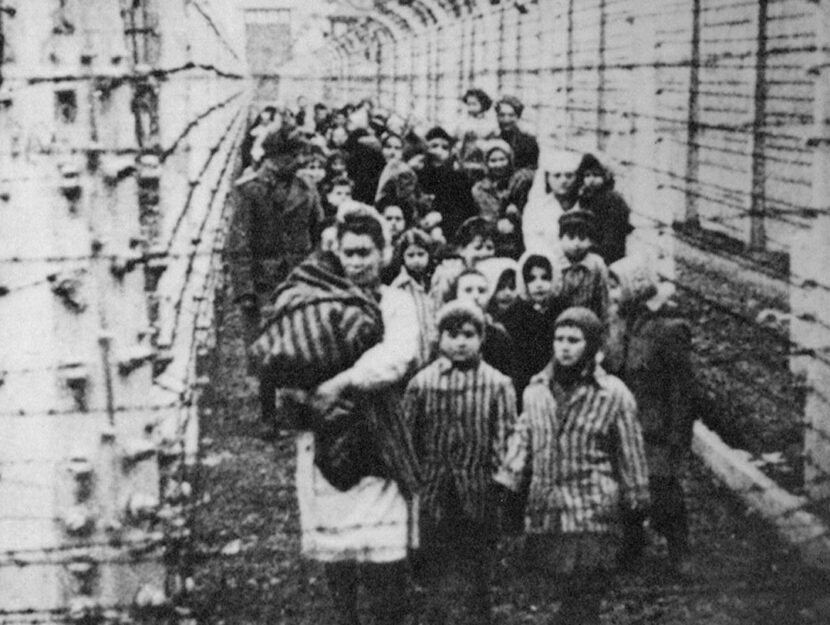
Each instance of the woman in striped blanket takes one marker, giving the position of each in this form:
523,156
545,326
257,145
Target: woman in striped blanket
348,341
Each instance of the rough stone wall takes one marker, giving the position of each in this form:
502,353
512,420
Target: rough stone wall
118,123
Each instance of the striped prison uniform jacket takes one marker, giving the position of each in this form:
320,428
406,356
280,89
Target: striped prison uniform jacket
460,420
319,325
584,449
585,283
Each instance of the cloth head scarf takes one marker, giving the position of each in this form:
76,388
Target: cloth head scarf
551,161
639,283
493,269
498,144
560,160
591,163
531,258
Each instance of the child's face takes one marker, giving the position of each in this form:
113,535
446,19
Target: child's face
505,227
561,182
575,245
473,288
339,136
539,285
337,167
476,250
507,117
504,297
415,259
314,169
439,151
394,217
392,149
473,105
593,180
568,346
498,164
462,344
339,194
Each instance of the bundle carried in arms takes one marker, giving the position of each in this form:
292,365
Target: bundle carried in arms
320,325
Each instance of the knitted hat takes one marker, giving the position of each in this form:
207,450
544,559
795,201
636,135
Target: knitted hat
588,322
576,219
639,282
456,313
513,102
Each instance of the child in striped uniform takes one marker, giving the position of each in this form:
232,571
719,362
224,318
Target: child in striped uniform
460,411
580,435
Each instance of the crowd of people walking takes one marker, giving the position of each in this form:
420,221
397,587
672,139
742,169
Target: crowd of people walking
449,321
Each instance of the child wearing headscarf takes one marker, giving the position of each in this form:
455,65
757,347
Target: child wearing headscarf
580,437
653,358
555,190
598,196
502,284
503,189
529,321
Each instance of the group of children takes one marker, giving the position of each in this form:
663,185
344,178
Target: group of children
551,393
569,470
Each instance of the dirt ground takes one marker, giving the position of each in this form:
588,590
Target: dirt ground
247,569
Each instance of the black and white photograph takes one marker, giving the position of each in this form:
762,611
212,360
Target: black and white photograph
415,312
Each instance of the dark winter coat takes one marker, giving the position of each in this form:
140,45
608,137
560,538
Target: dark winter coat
532,334
657,368
452,196
525,148
498,349
283,211
364,165
612,214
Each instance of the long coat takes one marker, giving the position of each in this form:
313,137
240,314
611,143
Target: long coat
656,366
283,211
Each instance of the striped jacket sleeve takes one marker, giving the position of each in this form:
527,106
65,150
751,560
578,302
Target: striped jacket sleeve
631,456
504,408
